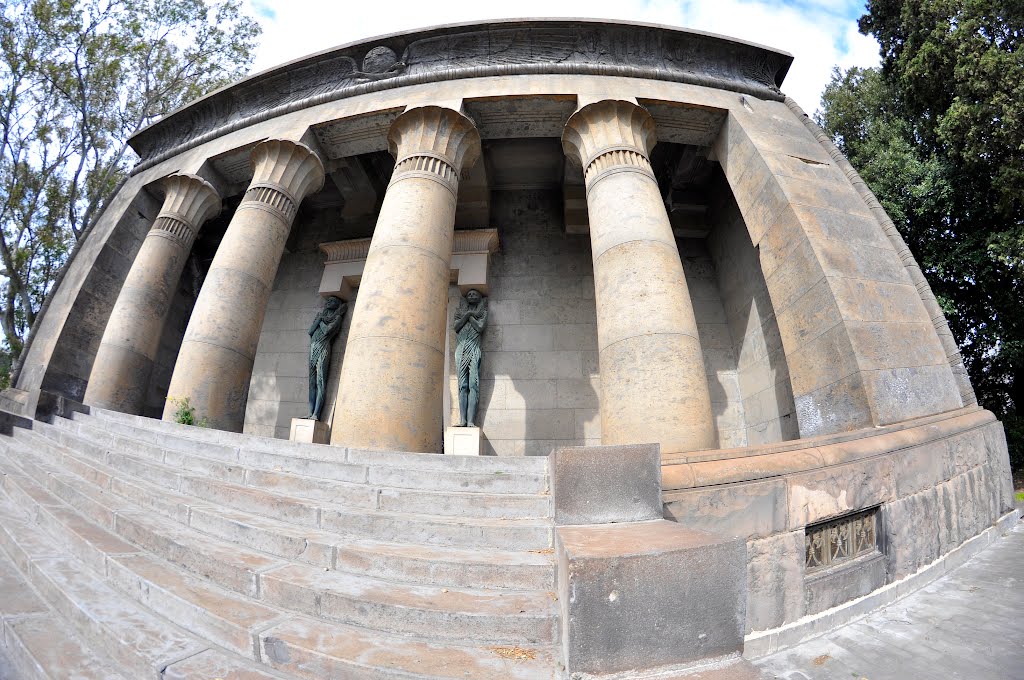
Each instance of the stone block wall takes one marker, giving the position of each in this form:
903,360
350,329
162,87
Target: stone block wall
936,482
279,388
762,373
539,384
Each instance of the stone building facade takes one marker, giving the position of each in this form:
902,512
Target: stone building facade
672,254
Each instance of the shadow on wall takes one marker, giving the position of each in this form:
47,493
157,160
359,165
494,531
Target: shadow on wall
761,393
538,375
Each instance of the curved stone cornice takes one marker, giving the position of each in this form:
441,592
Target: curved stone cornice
190,198
606,126
435,131
497,48
291,167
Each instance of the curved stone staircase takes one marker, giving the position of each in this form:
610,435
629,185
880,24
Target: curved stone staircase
133,548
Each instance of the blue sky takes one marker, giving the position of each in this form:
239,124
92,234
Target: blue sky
819,33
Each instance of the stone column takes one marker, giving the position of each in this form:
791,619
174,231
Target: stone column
124,363
653,385
392,378
216,357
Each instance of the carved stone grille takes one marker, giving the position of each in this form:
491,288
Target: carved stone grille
839,540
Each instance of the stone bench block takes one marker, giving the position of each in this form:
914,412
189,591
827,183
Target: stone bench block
645,595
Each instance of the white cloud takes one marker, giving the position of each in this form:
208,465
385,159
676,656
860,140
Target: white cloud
819,33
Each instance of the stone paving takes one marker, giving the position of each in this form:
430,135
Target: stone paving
966,625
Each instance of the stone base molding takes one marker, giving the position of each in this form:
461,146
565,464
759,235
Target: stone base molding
393,373
653,384
216,357
932,484
124,362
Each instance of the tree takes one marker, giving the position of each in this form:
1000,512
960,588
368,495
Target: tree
938,134
77,80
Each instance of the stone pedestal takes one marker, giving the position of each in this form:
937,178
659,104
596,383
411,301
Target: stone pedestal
309,431
638,594
653,383
124,362
215,362
389,395
462,441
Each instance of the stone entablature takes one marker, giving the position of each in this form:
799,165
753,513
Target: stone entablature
499,48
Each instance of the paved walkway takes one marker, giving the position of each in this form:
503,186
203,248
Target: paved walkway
967,625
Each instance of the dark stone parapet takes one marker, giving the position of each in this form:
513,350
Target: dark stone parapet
513,47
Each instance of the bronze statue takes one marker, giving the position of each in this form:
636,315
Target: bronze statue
323,331
470,322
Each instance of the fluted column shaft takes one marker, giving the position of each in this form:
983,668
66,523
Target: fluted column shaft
124,362
389,396
215,361
653,384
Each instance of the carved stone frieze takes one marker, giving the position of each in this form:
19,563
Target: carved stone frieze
576,47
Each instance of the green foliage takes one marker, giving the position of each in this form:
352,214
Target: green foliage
185,413
938,134
78,79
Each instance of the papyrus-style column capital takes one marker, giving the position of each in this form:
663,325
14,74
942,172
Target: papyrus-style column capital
653,384
190,201
433,142
215,361
290,168
610,135
124,362
389,395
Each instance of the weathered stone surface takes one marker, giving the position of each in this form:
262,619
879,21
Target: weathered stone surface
747,510
43,647
653,385
215,361
605,484
910,533
842,584
834,491
775,579
648,594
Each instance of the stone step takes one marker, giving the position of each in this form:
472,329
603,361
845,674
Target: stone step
44,648
227,565
17,598
214,664
221,617
310,648
424,461
492,569
390,526
456,614
481,533
433,612
393,561
138,641
465,503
